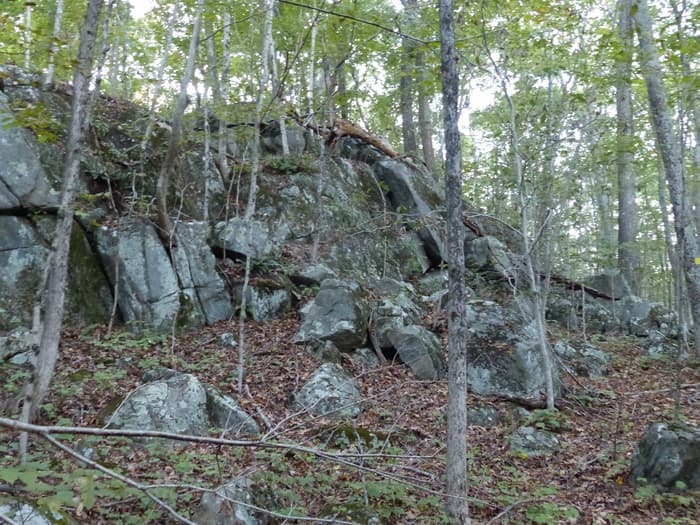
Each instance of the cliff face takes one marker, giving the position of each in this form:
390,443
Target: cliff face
353,210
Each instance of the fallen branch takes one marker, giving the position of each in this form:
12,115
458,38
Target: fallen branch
340,458
112,474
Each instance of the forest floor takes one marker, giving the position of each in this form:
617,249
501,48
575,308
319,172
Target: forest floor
399,440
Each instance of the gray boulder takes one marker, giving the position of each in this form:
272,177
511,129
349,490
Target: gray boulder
175,404
420,349
416,191
330,392
196,269
532,442
488,254
483,416
658,345
171,401
611,283
227,505
23,181
313,275
18,341
338,314
263,302
365,358
583,359
395,310
272,138
325,352
666,455
147,289
249,238
640,317
225,412
433,282
23,256
504,353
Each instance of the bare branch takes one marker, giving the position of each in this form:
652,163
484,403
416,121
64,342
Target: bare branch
355,19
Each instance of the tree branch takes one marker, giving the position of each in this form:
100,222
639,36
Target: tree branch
355,19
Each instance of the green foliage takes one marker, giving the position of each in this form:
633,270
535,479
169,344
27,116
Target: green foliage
551,513
550,420
291,164
36,117
124,340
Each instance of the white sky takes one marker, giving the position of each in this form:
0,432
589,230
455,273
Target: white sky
141,7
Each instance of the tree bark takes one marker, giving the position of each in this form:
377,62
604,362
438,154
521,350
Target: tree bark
627,221
457,480
691,100
28,35
53,295
425,118
53,48
669,147
268,9
410,146
163,184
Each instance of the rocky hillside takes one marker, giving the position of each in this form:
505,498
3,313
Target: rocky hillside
338,336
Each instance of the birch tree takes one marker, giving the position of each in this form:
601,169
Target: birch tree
670,151
628,255
406,88
268,10
53,47
162,187
457,483
53,295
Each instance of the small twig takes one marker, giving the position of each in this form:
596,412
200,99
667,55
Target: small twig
7,520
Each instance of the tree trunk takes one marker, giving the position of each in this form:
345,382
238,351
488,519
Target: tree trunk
162,187
669,148
628,253
457,481
410,146
53,48
525,202
691,100
54,287
159,79
28,34
225,72
268,9
425,118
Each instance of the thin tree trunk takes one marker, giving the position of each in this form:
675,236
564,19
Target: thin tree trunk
410,146
268,9
538,298
425,118
53,48
162,187
225,72
311,95
54,286
457,475
602,198
28,35
691,99
669,148
628,253
159,81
